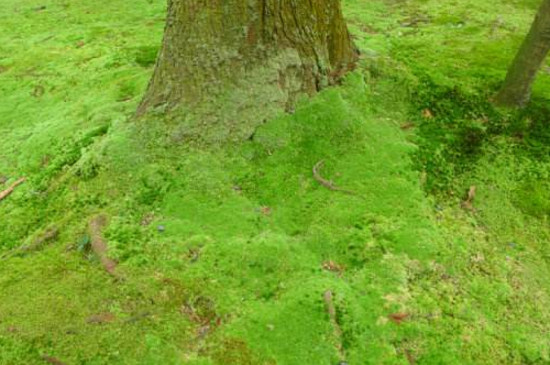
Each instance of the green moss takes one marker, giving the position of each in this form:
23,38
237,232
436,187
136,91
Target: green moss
227,250
533,197
146,56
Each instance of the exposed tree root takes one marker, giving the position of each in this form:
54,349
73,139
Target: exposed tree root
99,246
4,194
337,331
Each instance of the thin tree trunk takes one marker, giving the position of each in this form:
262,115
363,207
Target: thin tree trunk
516,90
227,65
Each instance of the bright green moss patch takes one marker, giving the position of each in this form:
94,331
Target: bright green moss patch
226,253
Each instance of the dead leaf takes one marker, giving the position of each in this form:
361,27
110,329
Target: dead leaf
407,126
427,113
265,210
38,91
478,258
397,318
333,267
148,219
468,203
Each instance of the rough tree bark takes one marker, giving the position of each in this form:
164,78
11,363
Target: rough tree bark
516,90
225,66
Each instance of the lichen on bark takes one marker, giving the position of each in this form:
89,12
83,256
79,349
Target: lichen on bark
228,65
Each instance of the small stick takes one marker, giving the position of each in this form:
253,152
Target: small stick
326,183
4,194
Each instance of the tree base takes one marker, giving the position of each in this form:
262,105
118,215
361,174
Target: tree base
224,70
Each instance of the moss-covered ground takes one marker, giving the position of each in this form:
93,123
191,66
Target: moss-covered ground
227,254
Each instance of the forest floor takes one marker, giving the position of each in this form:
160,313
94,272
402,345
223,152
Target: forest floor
126,246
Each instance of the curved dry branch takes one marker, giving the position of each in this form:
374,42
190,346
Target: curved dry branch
327,183
4,194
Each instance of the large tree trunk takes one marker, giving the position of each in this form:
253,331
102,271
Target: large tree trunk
228,65
516,90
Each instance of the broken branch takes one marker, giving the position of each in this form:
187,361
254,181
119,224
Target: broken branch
4,194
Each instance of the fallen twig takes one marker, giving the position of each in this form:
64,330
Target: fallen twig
326,183
99,246
4,194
